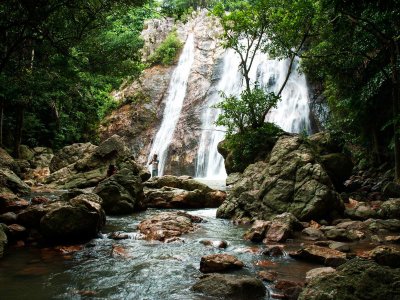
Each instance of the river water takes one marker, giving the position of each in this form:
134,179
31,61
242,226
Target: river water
144,270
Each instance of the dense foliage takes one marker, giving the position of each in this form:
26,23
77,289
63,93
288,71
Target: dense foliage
58,64
249,146
247,112
168,50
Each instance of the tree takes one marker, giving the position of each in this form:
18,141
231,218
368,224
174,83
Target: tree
59,61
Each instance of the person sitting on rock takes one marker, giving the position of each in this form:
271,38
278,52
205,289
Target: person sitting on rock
154,166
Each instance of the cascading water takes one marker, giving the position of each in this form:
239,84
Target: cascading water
291,114
173,105
210,163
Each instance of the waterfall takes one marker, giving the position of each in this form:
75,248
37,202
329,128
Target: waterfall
210,163
173,104
291,114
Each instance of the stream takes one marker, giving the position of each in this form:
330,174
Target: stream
139,269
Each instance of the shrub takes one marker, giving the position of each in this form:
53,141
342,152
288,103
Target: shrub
167,52
251,145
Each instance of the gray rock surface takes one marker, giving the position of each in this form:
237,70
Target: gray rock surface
291,180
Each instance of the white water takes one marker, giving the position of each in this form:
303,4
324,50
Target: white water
210,163
173,105
291,114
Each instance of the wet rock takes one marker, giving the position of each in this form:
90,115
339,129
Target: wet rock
16,231
3,240
269,276
119,251
180,192
8,218
230,286
386,256
122,193
168,224
390,209
265,263
6,161
342,234
70,154
317,272
356,279
177,198
291,180
215,244
78,219
41,157
274,250
322,255
39,200
11,203
382,226
282,227
339,246
290,289
361,211
257,231
91,169
10,182
118,236
219,263
392,239
313,233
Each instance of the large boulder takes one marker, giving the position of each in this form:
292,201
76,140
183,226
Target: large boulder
291,180
390,209
6,161
227,286
220,263
180,192
168,225
92,168
356,279
122,193
11,183
386,256
70,154
77,219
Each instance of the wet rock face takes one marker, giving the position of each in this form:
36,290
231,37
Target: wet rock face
291,180
230,286
356,279
168,225
139,119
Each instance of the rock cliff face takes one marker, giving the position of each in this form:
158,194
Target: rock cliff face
142,103
291,179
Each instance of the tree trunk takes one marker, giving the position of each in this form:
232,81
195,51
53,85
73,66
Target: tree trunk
18,130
